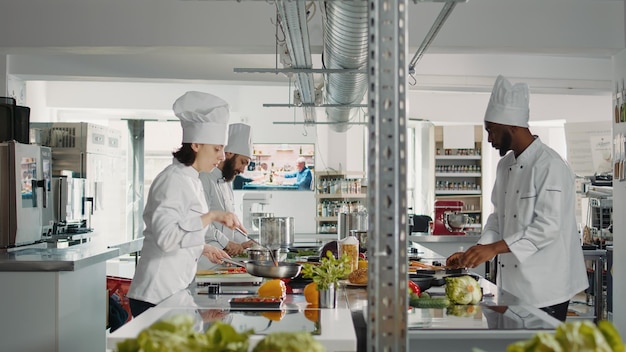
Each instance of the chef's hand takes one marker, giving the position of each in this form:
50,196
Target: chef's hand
214,254
233,248
454,260
247,244
481,253
225,218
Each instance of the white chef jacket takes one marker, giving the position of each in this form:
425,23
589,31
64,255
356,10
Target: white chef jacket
219,196
534,197
173,236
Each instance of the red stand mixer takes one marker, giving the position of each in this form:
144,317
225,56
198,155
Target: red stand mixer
448,218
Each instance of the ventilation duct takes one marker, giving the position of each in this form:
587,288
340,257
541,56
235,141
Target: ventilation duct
292,17
345,47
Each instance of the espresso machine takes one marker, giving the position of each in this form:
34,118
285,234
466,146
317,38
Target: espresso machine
448,218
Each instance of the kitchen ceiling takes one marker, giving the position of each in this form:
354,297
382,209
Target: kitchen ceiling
560,45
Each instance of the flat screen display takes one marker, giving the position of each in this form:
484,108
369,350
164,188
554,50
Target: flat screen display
279,167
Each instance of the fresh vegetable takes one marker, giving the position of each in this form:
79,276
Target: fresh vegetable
289,342
273,288
177,334
414,288
574,336
311,294
427,302
329,270
611,335
463,290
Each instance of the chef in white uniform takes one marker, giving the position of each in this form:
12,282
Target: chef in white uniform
176,214
533,227
218,190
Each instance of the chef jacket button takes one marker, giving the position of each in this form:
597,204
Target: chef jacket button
502,265
516,265
521,166
515,215
517,191
510,169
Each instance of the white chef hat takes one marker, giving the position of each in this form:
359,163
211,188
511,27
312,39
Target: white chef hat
239,139
203,116
508,104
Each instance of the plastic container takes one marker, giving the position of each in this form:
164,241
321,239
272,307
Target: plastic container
349,245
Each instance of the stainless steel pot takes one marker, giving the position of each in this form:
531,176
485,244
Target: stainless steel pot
276,232
347,222
254,220
263,254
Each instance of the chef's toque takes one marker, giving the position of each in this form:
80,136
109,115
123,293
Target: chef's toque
508,104
239,139
203,116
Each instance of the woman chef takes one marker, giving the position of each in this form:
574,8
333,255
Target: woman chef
176,213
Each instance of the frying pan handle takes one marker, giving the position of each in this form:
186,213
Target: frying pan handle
233,262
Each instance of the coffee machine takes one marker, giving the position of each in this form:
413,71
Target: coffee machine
448,218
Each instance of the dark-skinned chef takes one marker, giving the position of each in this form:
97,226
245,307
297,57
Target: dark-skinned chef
532,230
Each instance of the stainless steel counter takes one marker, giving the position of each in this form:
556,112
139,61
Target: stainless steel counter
55,259
331,327
497,321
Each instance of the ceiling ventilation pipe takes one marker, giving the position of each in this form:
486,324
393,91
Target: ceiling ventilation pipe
293,21
345,47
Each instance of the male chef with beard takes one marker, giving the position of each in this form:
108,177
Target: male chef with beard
219,192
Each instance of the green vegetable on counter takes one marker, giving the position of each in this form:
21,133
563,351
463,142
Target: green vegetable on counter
177,334
463,290
328,271
289,342
574,336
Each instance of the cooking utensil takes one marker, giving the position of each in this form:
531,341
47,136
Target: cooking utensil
254,219
423,281
261,253
276,232
267,269
272,256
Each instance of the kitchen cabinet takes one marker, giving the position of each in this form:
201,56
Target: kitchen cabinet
55,298
458,176
337,191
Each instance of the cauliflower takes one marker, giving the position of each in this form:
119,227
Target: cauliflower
463,290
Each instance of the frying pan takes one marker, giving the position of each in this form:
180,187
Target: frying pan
269,269
423,281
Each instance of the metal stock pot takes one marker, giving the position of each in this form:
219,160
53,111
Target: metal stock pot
276,232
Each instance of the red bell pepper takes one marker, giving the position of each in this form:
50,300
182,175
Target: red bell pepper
414,288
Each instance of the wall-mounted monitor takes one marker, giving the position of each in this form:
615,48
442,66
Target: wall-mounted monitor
279,167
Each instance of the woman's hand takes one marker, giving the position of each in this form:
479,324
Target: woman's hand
225,218
214,254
